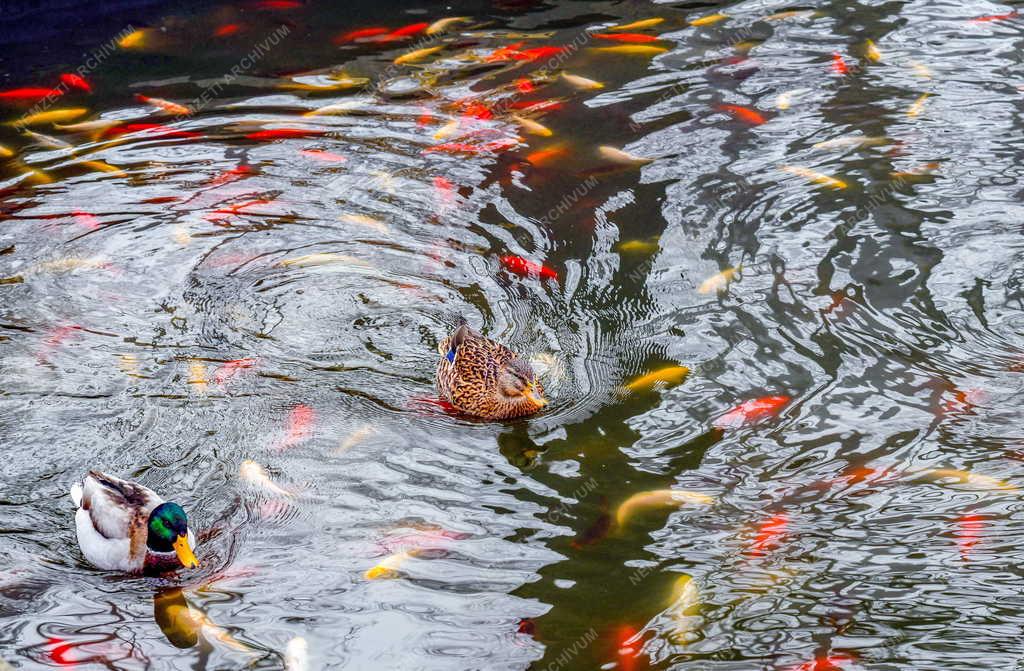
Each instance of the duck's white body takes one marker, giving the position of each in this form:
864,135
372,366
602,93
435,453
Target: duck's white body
112,524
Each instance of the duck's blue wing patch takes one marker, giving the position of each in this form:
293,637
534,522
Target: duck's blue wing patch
450,355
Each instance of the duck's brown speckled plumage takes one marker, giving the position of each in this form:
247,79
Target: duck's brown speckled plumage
470,383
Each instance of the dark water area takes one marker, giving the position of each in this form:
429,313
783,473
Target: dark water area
240,307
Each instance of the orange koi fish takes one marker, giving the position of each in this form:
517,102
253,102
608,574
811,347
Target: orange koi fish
750,412
360,34
524,85
409,30
525,268
968,533
322,155
227,30
839,65
55,339
28,95
164,105
994,17
627,647
536,107
300,423
769,534
232,175
836,662
746,114
627,37
282,133
546,155
504,53
74,81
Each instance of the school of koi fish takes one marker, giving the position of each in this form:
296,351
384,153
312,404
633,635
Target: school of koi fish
763,257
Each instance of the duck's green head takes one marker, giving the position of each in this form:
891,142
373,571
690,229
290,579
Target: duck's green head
168,532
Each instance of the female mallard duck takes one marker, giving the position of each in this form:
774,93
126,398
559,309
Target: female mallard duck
482,378
123,526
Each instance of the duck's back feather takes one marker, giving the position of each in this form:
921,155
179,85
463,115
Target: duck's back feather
112,521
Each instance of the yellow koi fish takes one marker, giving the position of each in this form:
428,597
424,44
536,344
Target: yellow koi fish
197,375
418,55
532,127
129,364
6,152
446,130
971,478
623,157
365,220
916,174
181,235
719,281
637,25
784,101
101,166
137,39
581,83
252,472
34,176
320,259
339,84
639,247
684,609
871,52
709,19
816,177
97,125
852,141
663,377
658,498
442,25
51,116
388,567
631,50
918,105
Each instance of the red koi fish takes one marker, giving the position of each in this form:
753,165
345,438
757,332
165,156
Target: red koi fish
322,155
74,81
469,148
524,85
505,53
300,424
769,534
237,209
751,411
536,107
282,133
753,117
836,662
278,5
994,17
232,175
445,192
158,200
360,34
636,38
537,53
28,95
542,156
86,220
477,110
526,268
839,65
963,401
968,533
229,369
227,30
153,129
409,30
627,647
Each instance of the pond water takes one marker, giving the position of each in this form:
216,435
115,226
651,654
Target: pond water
819,204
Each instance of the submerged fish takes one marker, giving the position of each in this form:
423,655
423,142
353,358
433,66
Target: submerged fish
969,528
709,19
631,50
137,39
970,478
282,134
335,109
252,472
662,378
769,534
532,127
75,81
622,157
365,220
97,125
746,114
684,608
28,95
839,65
6,152
784,100
417,55
197,375
354,438
871,52
627,37
639,246
918,105
638,25
851,141
581,83
299,427
319,259
658,498
45,140
164,105
995,17
388,567
229,369
719,281
752,411
323,155
816,177
791,14
49,117
833,662
442,25
525,268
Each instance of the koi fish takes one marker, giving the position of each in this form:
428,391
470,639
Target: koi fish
627,37
769,534
227,30
525,268
323,155
197,375
546,155
136,39
719,281
631,50
915,174
252,472
164,105
409,30
6,152
596,531
477,110
790,14
54,339
296,655
28,95
963,401
994,17
300,422
418,55
152,129
72,264
658,498
827,663
442,25
320,259
365,220
533,107
622,157
639,247
524,85
74,81
49,117
627,648
388,567
709,19
232,175
98,125
839,65
353,439
276,4
181,234
784,100
871,52
103,166
158,200
970,478
669,376
684,608
503,53
969,528
229,369
538,53
282,134
86,220
532,127
445,192
920,70
581,83
852,141
752,411
816,177
360,34
237,208
918,105
446,130
638,25
750,116
469,148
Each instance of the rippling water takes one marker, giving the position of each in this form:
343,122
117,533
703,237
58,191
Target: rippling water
889,310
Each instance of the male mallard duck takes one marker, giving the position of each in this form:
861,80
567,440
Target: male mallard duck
480,377
123,526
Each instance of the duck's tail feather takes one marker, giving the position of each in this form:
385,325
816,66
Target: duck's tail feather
76,494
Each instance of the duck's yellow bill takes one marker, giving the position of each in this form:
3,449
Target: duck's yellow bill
534,397
185,554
